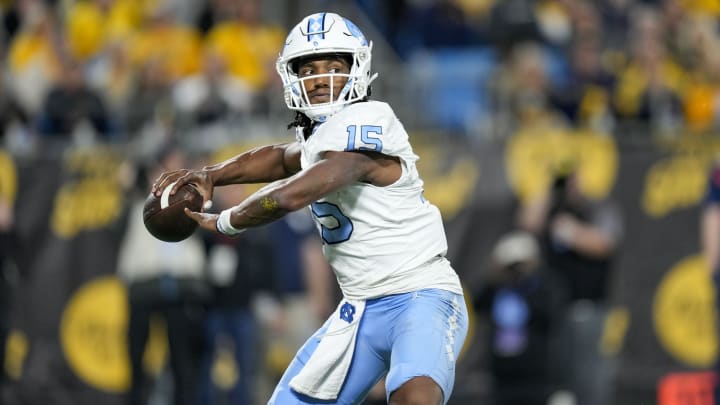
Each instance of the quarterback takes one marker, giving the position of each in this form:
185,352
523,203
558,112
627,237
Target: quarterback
402,316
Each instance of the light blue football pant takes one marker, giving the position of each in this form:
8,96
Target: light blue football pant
405,335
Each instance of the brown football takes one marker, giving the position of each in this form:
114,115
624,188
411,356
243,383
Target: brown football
164,216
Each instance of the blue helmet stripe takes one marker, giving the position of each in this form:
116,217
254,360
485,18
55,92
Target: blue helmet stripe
355,31
316,27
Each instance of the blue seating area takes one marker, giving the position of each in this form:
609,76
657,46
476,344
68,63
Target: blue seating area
451,86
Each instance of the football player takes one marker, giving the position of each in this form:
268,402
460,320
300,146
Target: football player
403,315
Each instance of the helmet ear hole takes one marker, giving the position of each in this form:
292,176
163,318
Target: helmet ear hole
359,88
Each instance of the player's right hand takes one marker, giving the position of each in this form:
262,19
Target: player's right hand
206,221
199,178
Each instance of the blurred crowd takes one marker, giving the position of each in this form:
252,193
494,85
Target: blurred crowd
120,70
609,65
151,72
124,69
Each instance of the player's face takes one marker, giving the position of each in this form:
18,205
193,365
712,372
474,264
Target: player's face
324,88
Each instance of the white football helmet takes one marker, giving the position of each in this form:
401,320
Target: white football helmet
315,35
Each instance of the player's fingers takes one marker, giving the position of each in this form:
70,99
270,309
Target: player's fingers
184,177
206,221
156,186
164,180
198,217
204,187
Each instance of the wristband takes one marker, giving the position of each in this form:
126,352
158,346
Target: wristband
224,226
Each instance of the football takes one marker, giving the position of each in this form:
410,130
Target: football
164,216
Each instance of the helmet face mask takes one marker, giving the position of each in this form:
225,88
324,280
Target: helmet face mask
321,36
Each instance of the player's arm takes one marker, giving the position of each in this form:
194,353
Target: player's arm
258,165
275,200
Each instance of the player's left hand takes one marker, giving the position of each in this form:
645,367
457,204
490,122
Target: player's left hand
205,220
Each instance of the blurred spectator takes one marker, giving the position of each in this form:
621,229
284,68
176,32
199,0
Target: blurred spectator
513,22
586,98
97,32
580,238
70,103
675,21
554,23
710,245
614,22
173,45
164,281
238,268
9,15
100,33
698,42
649,88
212,95
34,55
12,116
149,104
8,251
248,44
520,306
521,91
577,233
588,19
213,13
113,77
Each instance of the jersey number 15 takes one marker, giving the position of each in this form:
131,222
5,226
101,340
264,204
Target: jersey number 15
341,232
368,138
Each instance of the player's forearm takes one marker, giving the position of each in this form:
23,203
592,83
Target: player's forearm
291,194
262,207
258,165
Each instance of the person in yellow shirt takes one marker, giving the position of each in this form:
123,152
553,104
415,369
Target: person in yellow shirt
248,45
175,45
650,86
33,57
89,25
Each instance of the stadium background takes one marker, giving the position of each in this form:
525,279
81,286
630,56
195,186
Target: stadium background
480,155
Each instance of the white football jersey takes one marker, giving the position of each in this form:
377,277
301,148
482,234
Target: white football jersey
378,240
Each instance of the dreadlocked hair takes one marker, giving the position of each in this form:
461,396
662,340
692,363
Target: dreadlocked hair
303,121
